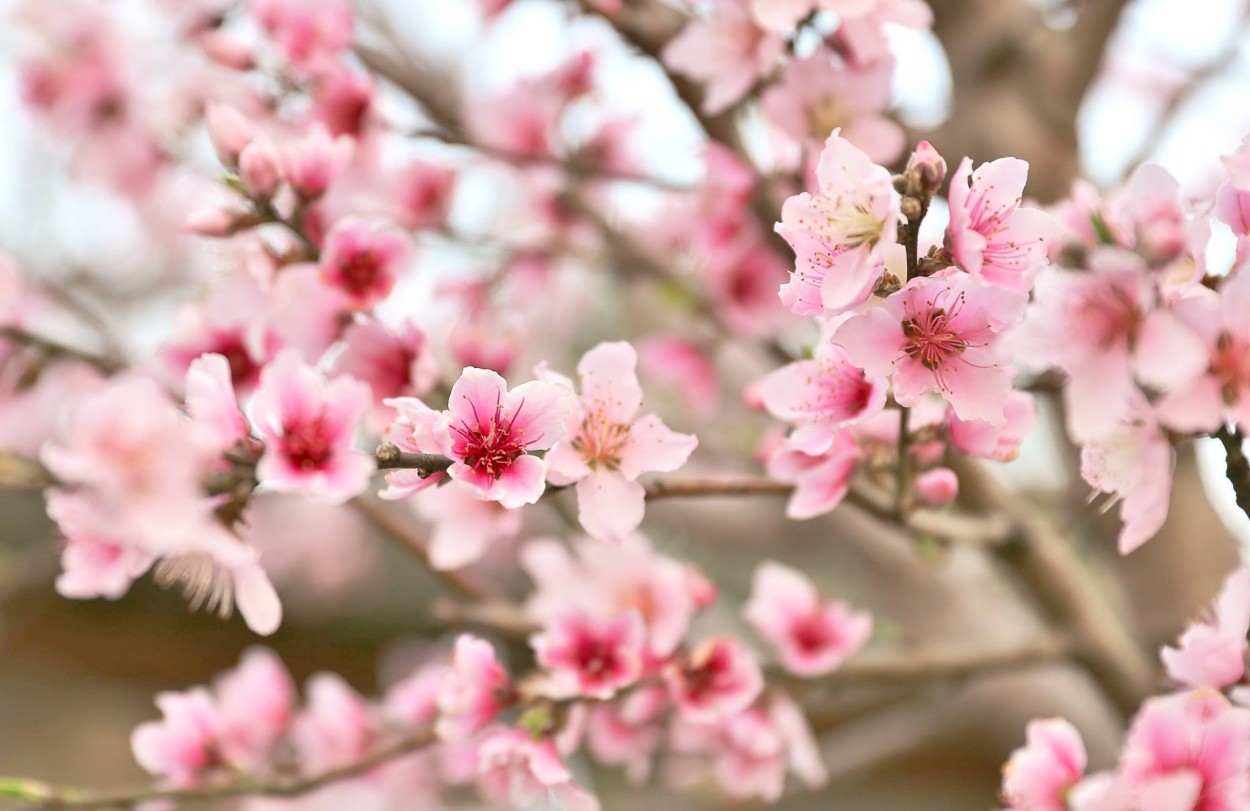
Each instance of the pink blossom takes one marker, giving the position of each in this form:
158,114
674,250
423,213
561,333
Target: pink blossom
726,51
590,657
474,691
395,362
523,771
310,33
821,396
212,403
606,446
820,479
783,15
255,706
94,563
362,261
998,442
181,745
812,637
490,431
308,424
1134,463
607,580
465,525
990,234
836,232
939,334
1212,653
312,163
260,167
685,365
413,431
229,130
342,100
1040,775
1197,737
424,193
718,679
337,727
821,93
937,487
628,731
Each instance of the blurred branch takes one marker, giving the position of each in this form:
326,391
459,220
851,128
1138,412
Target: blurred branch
52,347
36,796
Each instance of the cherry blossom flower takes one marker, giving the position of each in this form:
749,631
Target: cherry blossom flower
361,261
1212,653
718,679
590,657
628,731
812,637
520,770
474,691
784,15
727,51
939,334
1040,775
93,562
255,708
990,234
490,432
820,480
337,727
1135,463
181,745
1000,443
308,423
212,403
465,525
606,446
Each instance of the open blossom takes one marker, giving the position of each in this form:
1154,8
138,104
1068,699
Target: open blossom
1040,775
308,424
840,233
727,51
590,657
212,403
627,732
812,637
939,334
1212,653
474,691
1134,463
310,33
821,396
718,679
820,479
337,727
362,261
607,446
526,772
1000,443
990,234
489,431
181,745
465,525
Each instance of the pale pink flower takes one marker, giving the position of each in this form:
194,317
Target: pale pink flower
998,442
719,678
342,99
212,403
863,37
413,701
821,93
94,563
839,234
606,446
813,637
414,430
260,167
255,707
395,362
181,745
585,656
336,727
308,424
229,131
490,432
1198,737
821,396
1040,775
1212,652
466,526
526,772
312,163
726,51
362,261
423,193
628,731
474,691
310,33
1134,462
820,479
990,234
939,334
522,120
937,487
607,580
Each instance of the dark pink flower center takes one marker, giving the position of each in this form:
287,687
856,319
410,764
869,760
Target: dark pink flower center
812,634
359,272
308,445
490,447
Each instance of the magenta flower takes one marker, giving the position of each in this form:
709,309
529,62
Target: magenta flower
361,261
490,431
590,657
308,424
990,234
1212,653
812,637
840,233
939,334
1039,776
607,446
718,679
474,691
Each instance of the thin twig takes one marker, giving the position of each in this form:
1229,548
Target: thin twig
54,347
38,796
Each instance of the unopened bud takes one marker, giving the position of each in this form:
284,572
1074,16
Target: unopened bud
937,487
260,169
211,222
911,208
229,131
929,168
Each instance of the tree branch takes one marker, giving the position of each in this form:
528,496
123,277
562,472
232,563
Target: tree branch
52,347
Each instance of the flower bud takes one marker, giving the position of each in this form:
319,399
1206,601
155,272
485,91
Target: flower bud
928,166
211,222
259,167
229,130
937,487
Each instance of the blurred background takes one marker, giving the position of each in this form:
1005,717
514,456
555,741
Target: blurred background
1169,82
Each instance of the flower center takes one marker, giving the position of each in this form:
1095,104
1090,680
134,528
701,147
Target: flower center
358,273
307,444
930,339
1231,366
600,442
490,448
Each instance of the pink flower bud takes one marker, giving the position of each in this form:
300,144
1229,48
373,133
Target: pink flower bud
928,165
229,131
259,166
210,222
225,50
937,487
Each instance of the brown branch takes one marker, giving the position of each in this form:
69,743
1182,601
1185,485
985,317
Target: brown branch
38,796
1237,467
51,346
950,664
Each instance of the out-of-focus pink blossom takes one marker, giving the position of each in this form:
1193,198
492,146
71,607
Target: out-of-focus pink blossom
337,727
312,163
628,731
1041,774
606,446
1212,653
309,33
255,708
181,745
212,403
474,691
727,51
1134,463
812,637
465,524
589,657
937,487
362,261
820,479
520,770
308,423
718,679
1000,443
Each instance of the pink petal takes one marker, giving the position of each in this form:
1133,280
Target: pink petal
610,506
